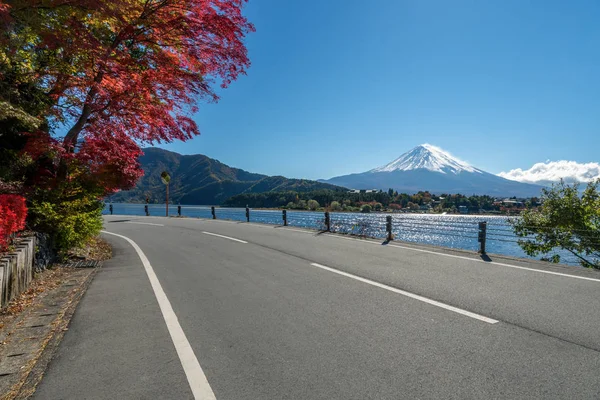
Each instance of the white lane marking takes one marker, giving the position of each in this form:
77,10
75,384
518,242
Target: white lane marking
225,237
497,263
142,223
369,241
467,258
263,225
195,375
299,230
408,294
419,250
136,217
225,221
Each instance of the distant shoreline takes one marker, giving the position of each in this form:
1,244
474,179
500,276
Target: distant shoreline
416,212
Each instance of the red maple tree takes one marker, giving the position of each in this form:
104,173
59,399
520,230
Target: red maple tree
125,72
12,217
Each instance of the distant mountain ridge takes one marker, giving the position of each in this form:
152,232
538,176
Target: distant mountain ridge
428,157
198,179
429,168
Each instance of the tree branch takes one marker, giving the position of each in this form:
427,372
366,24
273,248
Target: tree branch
586,262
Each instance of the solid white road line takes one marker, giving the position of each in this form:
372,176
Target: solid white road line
466,258
541,271
361,240
224,221
261,225
197,380
408,294
142,223
298,230
225,237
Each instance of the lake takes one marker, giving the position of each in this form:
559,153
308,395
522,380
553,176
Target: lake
454,231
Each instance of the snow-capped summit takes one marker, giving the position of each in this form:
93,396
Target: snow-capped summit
427,156
428,167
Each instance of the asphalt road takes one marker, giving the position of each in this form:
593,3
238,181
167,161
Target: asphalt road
276,313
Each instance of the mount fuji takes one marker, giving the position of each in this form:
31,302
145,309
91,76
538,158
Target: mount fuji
429,168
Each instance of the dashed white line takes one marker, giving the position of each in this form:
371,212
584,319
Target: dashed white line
408,294
142,223
407,248
225,237
195,375
465,258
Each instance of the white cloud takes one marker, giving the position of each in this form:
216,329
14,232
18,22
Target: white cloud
553,171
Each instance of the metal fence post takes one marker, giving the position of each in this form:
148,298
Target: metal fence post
247,214
327,221
284,217
179,210
212,211
388,227
146,210
482,236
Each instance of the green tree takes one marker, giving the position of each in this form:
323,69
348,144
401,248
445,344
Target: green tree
301,205
412,206
335,206
377,207
365,209
566,221
21,106
313,204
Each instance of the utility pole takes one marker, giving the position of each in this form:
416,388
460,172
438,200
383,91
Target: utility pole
166,178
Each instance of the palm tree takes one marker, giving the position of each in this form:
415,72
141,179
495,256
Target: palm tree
166,178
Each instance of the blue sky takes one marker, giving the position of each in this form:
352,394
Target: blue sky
345,86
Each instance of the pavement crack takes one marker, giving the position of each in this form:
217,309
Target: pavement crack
597,350
585,346
571,342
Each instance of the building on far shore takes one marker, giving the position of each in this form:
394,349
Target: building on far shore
511,206
510,203
363,191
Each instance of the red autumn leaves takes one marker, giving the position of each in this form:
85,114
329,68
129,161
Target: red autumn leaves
122,73
12,217
109,76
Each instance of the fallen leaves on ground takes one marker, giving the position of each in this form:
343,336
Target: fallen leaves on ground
42,282
96,249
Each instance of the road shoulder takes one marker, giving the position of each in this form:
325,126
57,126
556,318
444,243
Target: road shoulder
117,345
40,318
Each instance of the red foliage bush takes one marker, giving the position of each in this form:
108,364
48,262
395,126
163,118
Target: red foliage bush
13,212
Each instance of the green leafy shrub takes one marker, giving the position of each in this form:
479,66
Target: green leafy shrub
335,206
312,205
565,220
70,223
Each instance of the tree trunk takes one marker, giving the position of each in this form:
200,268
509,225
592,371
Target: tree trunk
71,138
